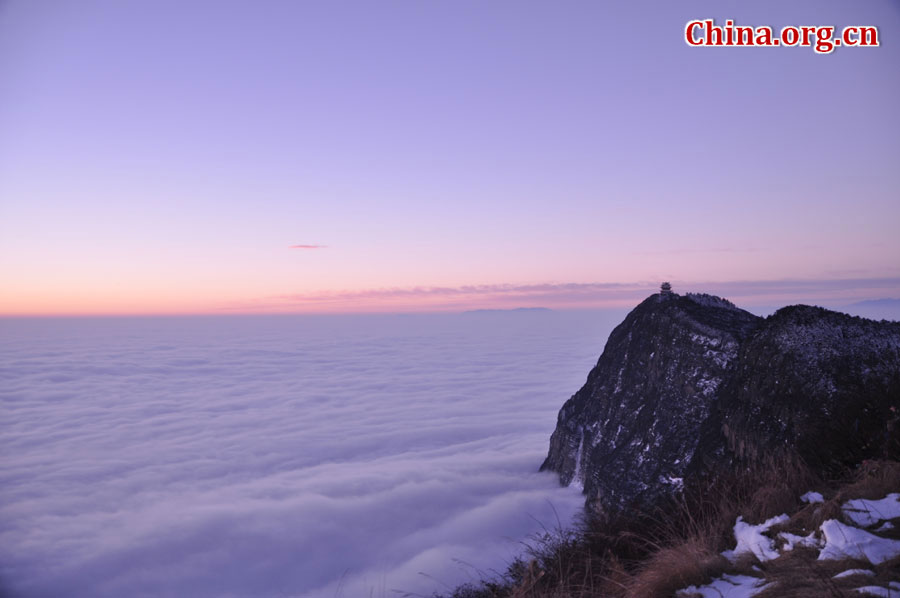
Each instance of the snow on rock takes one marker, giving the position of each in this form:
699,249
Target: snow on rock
791,540
869,512
887,525
845,541
647,401
727,586
812,497
677,483
750,538
890,592
710,300
850,572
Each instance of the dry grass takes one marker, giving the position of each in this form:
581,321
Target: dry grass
810,517
693,562
798,574
873,480
652,554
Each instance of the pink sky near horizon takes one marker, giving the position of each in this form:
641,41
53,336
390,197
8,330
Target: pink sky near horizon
765,295
219,157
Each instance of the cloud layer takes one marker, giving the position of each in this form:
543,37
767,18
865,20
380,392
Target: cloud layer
265,456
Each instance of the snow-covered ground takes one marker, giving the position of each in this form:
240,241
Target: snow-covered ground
752,539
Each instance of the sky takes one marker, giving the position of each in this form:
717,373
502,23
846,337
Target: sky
270,157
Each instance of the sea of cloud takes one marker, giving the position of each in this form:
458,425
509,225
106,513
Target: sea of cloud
280,456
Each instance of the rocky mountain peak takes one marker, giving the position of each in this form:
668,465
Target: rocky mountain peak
691,382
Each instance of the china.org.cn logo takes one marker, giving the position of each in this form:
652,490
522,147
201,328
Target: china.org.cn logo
822,38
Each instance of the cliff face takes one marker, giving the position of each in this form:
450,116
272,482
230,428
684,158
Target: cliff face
633,428
687,383
820,382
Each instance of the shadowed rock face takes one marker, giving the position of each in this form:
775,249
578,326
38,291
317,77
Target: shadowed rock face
687,383
819,382
633,428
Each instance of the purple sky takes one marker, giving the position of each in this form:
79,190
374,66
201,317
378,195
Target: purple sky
171,157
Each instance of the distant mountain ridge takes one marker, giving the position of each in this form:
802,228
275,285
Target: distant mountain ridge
687,384
510,310
877,303
876,309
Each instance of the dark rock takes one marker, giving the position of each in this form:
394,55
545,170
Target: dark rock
689,383
818,382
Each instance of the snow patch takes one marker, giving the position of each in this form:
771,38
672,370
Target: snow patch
792,540
891,592
677,482
850,572
727,586
578,475
750,538
845,541
812,497
869,512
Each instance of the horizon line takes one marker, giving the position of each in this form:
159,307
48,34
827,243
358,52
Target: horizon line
552,296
